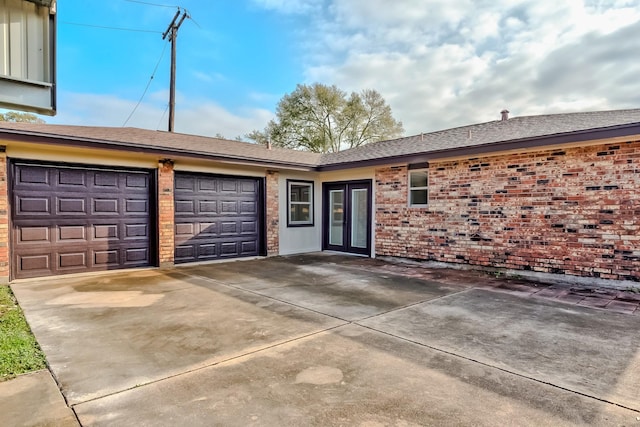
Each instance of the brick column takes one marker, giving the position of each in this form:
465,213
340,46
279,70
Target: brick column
166,226
273,213
4,219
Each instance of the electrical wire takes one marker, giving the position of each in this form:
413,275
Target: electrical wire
152,4
162,116
148,84
109,28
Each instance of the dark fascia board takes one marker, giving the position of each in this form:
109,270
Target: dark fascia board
21,136
472,151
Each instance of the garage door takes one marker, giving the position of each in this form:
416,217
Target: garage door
216,217
74,218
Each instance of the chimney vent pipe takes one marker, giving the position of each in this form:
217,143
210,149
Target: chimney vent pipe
505,115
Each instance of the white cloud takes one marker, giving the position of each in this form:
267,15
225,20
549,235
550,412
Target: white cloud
199,117
448,63
289,6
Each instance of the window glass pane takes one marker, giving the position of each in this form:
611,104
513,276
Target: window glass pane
336,226
300,192
359,218
418,197
300,213
418,179
300,203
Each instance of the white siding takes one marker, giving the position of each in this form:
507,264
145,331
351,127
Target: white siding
295,240
24,28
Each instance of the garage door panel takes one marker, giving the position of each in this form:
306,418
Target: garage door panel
184,207
33,205
228,249
105,180
207,206
184,230
248,227
136,256
72,177
248,208
69,219
185,253
105,232
105,206
218,220
137,181
229,185
229,228
106,258
249,187
248,248
208,229
37,263
73,260
73,233
208,185
28,175
71,206
136,231
34,234
183,183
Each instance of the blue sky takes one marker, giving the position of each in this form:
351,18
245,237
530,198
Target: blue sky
439,64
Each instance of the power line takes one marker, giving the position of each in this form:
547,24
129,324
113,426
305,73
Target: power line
148,84
162,116
110,28
152,4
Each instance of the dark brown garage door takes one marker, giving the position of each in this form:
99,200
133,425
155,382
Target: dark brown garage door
216,217
72,219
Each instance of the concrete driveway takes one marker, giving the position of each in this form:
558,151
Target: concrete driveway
328,340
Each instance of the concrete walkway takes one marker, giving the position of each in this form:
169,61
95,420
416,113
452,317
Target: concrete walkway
34,400
326,340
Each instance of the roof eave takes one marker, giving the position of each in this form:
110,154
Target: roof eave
39,138
632,129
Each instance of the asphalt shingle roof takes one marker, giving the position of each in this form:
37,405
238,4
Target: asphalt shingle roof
477,135
176,142
513,129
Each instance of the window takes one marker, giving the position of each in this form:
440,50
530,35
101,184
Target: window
300,209
418,187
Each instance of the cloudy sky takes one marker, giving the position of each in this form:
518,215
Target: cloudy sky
439,64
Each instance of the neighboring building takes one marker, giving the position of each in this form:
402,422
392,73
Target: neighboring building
552,194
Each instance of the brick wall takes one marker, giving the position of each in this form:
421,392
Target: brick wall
166,225
272,213
4,220
573,211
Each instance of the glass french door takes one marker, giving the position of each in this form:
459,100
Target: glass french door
347,217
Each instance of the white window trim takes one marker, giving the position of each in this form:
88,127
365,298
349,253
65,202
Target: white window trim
422,205
290,222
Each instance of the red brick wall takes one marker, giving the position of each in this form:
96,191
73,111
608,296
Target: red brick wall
166,226
571,211
273,213
4,221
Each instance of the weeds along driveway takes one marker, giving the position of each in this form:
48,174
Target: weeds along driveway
326,340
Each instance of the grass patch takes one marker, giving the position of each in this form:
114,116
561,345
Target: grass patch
19,350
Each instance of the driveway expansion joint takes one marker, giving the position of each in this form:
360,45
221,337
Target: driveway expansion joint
507,371
208,365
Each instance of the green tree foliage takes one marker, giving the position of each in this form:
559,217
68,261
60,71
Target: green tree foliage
14,116
324,119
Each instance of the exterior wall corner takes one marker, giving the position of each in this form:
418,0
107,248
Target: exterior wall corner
166,223
272,213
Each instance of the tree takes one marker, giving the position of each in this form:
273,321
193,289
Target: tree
14,116
323,119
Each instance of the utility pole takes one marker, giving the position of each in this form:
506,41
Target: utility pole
172,32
